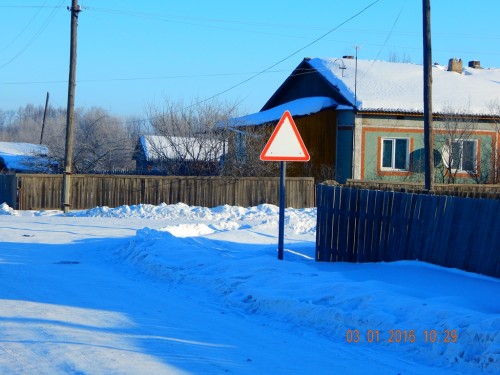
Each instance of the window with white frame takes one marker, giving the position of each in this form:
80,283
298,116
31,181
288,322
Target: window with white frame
463,155
395,154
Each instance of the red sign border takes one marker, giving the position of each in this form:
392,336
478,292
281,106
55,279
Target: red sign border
306,157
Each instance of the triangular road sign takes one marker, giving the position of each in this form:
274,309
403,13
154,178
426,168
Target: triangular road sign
285,143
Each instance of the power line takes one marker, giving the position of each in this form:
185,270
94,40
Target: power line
23,30
31,6
141,78
255,75
290,55
385,43
39,32
268,69
271,66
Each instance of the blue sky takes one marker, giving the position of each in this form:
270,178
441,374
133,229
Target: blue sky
136,54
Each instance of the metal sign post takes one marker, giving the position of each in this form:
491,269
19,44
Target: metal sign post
285,144
281,222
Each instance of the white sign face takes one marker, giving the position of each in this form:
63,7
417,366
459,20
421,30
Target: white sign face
285,143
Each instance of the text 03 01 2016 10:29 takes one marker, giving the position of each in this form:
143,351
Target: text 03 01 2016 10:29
401,336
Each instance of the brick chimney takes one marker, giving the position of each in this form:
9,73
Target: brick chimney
455,65
476,64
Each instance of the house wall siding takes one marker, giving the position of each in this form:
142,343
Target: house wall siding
319,133
374,129
343,167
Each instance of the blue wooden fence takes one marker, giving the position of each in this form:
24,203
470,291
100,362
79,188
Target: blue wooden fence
357,225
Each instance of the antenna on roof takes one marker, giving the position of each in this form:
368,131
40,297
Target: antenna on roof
341,67
356,79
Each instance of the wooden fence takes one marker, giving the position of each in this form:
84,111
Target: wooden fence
357,225
490,191
38,191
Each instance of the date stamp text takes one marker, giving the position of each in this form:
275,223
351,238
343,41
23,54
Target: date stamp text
400,336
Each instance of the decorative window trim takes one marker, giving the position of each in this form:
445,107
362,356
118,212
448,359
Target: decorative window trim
445,152
393,170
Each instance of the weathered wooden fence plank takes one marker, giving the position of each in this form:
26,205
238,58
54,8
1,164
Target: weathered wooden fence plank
361,233
490,260
409,209
324,229
486,237
377,225
434,230
428,216
385,227
352,225
334,238
8,189
459,243
371,234
395,227
345,197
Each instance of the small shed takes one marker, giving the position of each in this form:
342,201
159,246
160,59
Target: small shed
25,158
173,155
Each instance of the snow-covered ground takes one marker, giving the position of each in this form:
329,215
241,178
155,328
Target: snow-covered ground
174,289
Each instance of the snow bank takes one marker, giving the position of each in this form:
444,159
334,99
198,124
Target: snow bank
6,210
221,218
333,299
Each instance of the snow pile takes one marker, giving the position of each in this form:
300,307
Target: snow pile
6,210
221,218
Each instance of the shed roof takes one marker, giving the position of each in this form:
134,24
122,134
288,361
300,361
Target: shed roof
299,107
156,147
24,157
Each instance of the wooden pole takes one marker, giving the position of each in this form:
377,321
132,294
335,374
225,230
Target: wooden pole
428,136
44,117
70,111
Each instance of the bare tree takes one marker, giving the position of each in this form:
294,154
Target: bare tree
494,110
101,143
188,138
457,145
395,57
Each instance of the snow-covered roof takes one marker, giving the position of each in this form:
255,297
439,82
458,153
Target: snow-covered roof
398,87
299,107
24,157
157,147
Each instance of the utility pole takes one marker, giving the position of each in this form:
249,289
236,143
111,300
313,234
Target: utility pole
70,111
428,134
44,116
